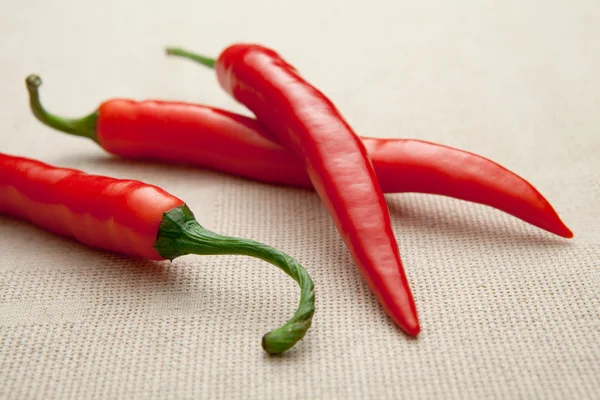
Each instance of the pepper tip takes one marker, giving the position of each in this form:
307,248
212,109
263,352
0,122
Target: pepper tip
567,233
413,330
410,326
563,231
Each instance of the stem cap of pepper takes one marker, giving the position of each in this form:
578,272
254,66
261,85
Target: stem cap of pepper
180,234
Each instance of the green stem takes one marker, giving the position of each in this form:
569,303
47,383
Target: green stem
206,61
85,126
180,234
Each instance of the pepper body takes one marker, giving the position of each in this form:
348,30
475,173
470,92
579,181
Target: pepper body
117,215
193,134
336,160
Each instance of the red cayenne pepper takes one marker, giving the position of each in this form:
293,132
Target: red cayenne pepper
134,218
195,134
307,123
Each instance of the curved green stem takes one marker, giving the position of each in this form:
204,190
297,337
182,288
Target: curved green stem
206,61
85,126
180,234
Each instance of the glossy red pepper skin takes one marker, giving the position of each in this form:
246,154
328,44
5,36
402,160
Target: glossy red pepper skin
309,125
193,134
436,169
101,212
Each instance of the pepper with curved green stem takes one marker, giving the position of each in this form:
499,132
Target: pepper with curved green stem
208,137
137,219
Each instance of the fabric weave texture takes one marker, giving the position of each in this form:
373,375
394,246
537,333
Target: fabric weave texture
507,310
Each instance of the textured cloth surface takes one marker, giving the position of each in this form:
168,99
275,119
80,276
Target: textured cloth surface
507,310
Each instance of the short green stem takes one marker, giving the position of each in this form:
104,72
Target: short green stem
206,61
85,126
181,234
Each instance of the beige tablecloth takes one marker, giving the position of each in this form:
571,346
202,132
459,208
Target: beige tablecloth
507,310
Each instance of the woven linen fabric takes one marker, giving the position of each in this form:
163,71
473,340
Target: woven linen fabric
507,310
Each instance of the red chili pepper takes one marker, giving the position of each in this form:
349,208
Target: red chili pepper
307,123
137,219
401,166
208,137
